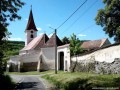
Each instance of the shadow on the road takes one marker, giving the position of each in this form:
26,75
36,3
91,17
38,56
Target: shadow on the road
26,85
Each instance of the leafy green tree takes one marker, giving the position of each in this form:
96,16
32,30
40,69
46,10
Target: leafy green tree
65,40
109,18
8,12
75,45
9,9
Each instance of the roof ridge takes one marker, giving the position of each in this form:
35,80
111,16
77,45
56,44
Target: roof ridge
102,41
29,46
40,36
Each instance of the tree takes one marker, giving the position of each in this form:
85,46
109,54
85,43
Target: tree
75,45
65,40
109,18
9,9
8,12
75,49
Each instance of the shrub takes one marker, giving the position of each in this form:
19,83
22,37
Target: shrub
77,84
117,82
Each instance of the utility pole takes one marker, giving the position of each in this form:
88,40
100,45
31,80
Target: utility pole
55,52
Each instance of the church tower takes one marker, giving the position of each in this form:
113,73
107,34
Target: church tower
31,30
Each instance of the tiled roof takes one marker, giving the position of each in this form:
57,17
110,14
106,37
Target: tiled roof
36,43
63,46
42,42
95,44
51,41
31,24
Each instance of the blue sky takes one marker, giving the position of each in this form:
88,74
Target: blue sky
54,12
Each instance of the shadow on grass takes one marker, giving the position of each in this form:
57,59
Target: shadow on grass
78,84
6,83
29,85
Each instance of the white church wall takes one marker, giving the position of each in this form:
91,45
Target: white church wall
32,57
49,57
14,59
28,36
28,62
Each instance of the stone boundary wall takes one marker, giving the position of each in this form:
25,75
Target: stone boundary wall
103,61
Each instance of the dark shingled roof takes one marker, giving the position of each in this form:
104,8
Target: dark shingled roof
31,24
51,41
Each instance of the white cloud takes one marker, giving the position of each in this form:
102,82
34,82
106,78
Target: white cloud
15,39
50,35
41,33
82,35
26,19
39,29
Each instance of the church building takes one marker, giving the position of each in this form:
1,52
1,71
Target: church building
39,52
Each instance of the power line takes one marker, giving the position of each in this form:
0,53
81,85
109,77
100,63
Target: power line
87,28
72,14
80,16
52,31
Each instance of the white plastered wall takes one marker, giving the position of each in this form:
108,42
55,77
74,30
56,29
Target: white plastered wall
28,38
107,54
48,55
66,52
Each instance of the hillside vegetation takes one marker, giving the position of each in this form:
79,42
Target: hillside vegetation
11,48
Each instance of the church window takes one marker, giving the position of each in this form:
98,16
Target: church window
31,31
31,36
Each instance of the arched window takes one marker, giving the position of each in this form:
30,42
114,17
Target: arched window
31,31
31,36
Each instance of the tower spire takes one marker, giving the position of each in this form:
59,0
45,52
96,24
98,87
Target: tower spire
31,7
31,24
31,30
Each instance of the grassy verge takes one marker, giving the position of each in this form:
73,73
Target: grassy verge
83,81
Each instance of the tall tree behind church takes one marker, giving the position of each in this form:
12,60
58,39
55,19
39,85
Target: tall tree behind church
65,40
109,18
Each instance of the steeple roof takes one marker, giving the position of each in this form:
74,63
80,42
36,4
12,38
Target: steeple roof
31,24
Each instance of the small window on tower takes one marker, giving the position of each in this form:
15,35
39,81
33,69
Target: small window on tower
31,36
31,31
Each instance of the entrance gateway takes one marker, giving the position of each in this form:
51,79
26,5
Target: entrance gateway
61,60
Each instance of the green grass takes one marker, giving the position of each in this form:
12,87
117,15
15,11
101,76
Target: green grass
76,80
81,81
